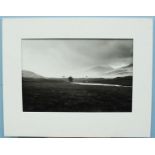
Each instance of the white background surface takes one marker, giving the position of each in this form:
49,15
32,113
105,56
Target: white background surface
77,8
77,146
135,124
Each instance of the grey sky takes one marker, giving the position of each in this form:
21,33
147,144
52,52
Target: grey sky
57,58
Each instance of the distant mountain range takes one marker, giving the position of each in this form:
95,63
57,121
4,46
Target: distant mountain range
109,72
122,71
94,72
98,70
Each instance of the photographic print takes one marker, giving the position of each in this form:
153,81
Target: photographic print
77,75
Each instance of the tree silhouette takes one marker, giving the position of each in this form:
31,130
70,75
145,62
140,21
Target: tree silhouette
70,79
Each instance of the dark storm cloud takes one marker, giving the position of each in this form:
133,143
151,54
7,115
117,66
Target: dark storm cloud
103,51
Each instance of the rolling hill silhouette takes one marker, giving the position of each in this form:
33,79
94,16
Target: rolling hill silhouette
98,70
122,71
109,72
30,74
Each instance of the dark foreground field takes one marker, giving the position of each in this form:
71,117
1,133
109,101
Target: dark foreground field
51,95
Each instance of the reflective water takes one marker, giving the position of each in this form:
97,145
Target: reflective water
100,84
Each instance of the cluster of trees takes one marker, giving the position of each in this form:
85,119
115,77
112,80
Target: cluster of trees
70,79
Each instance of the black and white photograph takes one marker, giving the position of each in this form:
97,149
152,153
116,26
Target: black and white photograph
77,75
